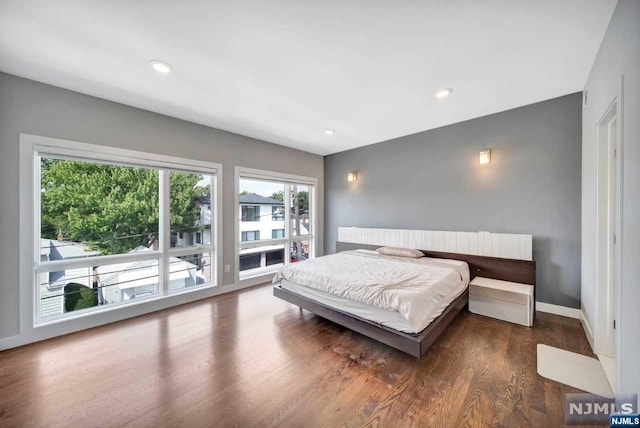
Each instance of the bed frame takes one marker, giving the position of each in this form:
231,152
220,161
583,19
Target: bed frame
417,344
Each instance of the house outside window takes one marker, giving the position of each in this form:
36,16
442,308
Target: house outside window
277,233
200,233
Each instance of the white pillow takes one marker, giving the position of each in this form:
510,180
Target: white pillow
400,252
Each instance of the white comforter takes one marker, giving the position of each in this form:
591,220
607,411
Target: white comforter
419,289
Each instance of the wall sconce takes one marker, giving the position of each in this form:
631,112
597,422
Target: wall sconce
484,157
352,176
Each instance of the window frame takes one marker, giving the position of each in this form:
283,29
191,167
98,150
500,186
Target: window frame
32,149
312,237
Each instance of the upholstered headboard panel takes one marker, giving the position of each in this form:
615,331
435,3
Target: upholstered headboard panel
503,245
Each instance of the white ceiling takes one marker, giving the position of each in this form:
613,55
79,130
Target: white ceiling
284,71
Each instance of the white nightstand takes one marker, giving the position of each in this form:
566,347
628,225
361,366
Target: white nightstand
504,300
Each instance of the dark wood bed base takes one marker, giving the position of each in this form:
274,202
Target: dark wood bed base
417,344
412,344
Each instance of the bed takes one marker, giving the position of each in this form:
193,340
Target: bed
403,302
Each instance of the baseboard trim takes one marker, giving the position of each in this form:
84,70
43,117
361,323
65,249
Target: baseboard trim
559,310
587,329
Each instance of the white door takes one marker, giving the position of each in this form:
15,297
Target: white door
606,240
613,245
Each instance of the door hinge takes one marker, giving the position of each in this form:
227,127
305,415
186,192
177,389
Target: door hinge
615,153
614,239
614,324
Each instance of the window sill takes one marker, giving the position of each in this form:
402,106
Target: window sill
264,275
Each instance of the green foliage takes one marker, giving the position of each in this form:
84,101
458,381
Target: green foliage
278,195
78,296
112,208
184,191
303,201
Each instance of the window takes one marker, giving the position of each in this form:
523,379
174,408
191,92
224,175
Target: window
299,251
250,213
299,204
115,228
274,257
190,203
277,213
251,235
249,261
286,232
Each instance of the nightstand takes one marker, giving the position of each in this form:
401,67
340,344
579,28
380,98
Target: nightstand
504,300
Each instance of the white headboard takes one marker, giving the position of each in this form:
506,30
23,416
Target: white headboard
505,245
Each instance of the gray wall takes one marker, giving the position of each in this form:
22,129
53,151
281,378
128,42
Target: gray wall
432,181
35,108
619,55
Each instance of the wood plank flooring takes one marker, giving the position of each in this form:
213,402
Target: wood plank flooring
249,359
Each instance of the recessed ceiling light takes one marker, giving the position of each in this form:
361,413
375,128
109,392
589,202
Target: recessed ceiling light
330,131
161,66
443,93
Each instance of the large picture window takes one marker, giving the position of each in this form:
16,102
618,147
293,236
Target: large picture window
281,222
115,229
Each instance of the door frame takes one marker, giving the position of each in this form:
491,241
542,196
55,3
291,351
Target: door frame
602,324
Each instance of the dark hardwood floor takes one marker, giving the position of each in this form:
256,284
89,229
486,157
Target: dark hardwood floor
249,359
